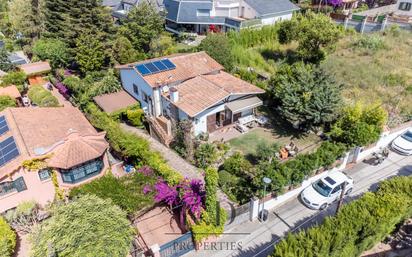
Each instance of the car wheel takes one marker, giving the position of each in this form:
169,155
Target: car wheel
323,206
349,191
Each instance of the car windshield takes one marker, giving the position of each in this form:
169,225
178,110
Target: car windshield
321,188
408,136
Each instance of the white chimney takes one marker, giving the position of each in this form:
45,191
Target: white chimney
174,95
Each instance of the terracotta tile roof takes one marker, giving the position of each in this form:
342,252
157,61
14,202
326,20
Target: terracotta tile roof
197,94
35,68
115,101
11,91
76,149
187,66
202,92
40,131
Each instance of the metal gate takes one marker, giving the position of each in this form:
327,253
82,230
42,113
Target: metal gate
178,247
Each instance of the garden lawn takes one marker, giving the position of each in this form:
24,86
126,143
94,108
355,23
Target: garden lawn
247,143
377,70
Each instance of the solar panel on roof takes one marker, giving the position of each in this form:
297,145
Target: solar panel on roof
3,125
8,150
168,64
151,67
160,65
330,180
155,67
142,69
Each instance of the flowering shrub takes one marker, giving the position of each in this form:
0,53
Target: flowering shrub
187,195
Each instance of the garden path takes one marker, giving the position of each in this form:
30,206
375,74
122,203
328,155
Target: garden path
176,162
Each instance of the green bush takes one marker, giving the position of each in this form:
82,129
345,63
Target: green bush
359,125
42,97
131,146
135,117
206,155
213,221
237,165
358,226
7,239
14,78
373,43
126,192
54,50
293,172
217,45
6,101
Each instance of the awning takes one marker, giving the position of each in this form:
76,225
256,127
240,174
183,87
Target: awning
245,104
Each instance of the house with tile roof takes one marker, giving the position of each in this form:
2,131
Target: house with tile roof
58,139
201,16
189,86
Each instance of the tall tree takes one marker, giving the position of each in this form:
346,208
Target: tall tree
217,45
143,23
68,20
307,95
26,18
90,53
315,34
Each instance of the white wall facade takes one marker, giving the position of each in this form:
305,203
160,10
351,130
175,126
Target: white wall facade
129,78
401,5
274,19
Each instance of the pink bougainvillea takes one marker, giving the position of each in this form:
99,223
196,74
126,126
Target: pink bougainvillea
147,189
187,195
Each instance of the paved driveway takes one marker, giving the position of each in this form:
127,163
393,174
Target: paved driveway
257,239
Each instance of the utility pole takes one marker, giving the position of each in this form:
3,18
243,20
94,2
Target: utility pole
342,195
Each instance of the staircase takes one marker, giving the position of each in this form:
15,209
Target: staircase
159,129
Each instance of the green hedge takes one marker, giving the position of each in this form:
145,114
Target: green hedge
6,101
126,192
7,239
212,223
294,172
42,97
130,145
359,225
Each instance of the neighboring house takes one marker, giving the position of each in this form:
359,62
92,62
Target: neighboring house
124,6
62,138
113,102
201,16
35,72
188,87
18,58
403,8
13,92
401,11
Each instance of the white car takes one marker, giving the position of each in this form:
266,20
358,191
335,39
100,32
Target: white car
326,190
403,143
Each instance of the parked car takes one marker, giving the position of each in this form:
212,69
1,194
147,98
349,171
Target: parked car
326,190
403,143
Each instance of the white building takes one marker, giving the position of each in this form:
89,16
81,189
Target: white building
201,16
188,87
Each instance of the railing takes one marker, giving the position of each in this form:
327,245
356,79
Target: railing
178,247
251,23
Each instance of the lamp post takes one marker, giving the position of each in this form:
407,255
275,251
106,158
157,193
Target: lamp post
266,181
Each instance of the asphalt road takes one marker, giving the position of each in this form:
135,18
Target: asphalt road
257,239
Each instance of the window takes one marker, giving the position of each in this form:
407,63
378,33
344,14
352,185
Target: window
404,6
12,186
44,174
135,89
145,97
83,171
336,189
203,12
